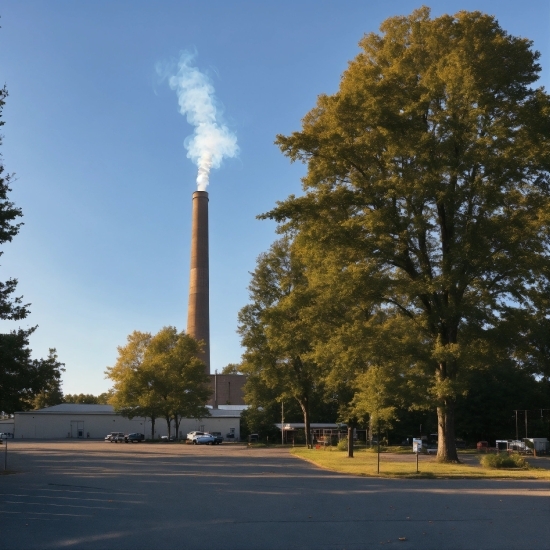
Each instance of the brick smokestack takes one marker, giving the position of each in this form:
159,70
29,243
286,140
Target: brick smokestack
198,310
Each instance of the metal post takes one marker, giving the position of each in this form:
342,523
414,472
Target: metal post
282,423
417,453
517,433
5,453
378,445
525,424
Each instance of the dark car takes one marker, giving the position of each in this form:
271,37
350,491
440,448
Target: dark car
134,438
217,437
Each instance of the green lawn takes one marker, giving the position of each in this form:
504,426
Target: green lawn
398,465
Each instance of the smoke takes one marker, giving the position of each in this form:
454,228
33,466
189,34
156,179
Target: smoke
212,140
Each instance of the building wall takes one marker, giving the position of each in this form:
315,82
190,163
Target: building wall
59,425
230,389
97,426
6,426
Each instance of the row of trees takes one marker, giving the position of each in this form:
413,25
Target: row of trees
160,376
416,264
25,383
88,398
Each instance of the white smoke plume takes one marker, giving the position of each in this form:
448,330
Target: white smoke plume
212,140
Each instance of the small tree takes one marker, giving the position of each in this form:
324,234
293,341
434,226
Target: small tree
49,378
160,376
133,383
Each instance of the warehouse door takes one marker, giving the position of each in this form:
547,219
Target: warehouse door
77,428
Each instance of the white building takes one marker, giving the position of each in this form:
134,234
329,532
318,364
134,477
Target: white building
71,420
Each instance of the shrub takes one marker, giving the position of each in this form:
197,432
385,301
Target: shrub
343,444
502,460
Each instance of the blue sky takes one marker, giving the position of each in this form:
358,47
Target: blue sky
96,142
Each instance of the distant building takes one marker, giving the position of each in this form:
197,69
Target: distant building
227,389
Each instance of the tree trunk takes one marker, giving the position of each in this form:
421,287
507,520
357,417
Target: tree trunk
304,404
169,424
446,446
177,420
152,427
350,439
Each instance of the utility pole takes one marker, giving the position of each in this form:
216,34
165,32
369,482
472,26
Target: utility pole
282,423
517,433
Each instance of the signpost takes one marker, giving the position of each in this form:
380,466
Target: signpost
417,448
5,438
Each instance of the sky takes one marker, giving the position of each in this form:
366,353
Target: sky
96,140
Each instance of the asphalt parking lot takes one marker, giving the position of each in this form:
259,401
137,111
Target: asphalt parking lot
89,494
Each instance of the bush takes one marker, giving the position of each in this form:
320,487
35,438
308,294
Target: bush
503,460
343,444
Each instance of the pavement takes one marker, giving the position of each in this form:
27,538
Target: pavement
90,494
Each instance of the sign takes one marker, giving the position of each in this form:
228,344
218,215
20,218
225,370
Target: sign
417,445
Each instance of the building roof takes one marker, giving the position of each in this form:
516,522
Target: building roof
75,408
224,413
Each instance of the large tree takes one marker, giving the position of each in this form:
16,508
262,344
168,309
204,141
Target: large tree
25,383
10,308
428,171
275,333
160,376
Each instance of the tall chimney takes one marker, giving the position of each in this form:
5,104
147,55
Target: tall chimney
198,310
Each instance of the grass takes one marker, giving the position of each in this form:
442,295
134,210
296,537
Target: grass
365,464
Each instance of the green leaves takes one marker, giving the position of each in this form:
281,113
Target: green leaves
424,226
160,375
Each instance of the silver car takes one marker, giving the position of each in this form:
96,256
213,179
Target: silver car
205,439
192,435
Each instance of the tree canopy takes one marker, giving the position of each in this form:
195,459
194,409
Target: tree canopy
274,332
25,383
426,207
88,398
160,376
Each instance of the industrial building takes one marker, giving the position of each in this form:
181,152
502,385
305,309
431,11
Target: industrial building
227,389
226,402
77,421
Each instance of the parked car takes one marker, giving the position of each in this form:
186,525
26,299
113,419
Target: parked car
431,448
6,435
204,439
134,438
192,435
115,437
217,437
